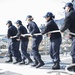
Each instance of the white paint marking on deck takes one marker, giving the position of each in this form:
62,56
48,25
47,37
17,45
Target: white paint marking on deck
24,70
27,70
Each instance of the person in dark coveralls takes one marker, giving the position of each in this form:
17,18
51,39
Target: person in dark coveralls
24,42
55,39
69,23
14,45
36,40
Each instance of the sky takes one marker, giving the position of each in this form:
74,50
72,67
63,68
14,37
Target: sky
18,10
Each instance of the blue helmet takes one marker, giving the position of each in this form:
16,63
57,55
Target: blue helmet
68,5
9,22
29,16
49,14
19,22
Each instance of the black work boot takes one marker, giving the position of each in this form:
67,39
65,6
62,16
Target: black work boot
56,66
35,63
23,62
29,61
10,60
17,60
40,63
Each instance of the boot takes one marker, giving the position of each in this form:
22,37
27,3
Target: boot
35,63
71,69
40,63
56,66
10,60
23,62
17,60
29,61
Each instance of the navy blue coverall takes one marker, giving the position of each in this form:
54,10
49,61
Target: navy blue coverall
69,23
24,41
55,40
14,45
36,40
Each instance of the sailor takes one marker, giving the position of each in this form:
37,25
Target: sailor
36,40
24,42
69,23
55,39
14,45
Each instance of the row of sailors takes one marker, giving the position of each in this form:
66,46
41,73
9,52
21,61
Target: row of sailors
55,38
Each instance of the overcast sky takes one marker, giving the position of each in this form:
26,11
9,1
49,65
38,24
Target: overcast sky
18,10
